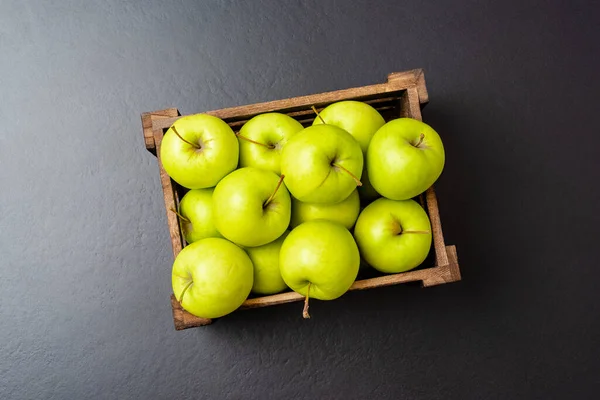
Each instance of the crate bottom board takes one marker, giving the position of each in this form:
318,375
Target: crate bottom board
429,277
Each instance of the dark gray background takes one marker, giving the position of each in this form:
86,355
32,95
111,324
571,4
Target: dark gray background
85,253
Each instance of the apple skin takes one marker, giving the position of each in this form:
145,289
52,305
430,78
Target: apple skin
265,258
320,253
273,129
399,170
344,212
378,233
238,209
196,206
221,274
361,121
367,192
306,162
195,168
357,118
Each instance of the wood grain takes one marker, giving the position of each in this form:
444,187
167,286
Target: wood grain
404,94
416,76
147,119
436,227
170,198
185,320
409,104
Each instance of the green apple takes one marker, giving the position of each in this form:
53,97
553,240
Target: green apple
196,216
198,151
319,259
361,121
367,192
265,258
212,277
322,164
357,118
405,158
262,139
393,235
251,207
344,212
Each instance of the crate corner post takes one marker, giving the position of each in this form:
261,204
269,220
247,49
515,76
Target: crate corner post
148,118
183,319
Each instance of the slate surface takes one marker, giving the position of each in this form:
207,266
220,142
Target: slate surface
85,254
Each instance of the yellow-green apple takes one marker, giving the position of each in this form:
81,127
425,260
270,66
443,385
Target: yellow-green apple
393,235
345,212
357,118
265,258
251,207
198,151
322,164
262,139
361,121
405,157
319,259
196,216
212,277
367,192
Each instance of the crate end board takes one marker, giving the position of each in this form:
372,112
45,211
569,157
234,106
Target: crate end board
428,277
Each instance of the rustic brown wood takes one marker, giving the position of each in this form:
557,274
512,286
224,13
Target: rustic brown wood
444,273
409,104
453,268
274,299
422,88
185,320
404,94
436,227
416,76
171,199
147,118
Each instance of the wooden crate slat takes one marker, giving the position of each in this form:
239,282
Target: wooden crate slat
409,104
147,119
185,320
418,77
171,200
436,227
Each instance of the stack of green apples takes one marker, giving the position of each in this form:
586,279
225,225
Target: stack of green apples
277,206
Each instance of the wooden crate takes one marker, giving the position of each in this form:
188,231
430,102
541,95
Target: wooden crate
403,95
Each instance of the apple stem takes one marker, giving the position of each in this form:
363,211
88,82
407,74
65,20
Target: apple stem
268,146
421,137
416,232
185,290
305,313
318,115
276,189
180,137
179,215
358,182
